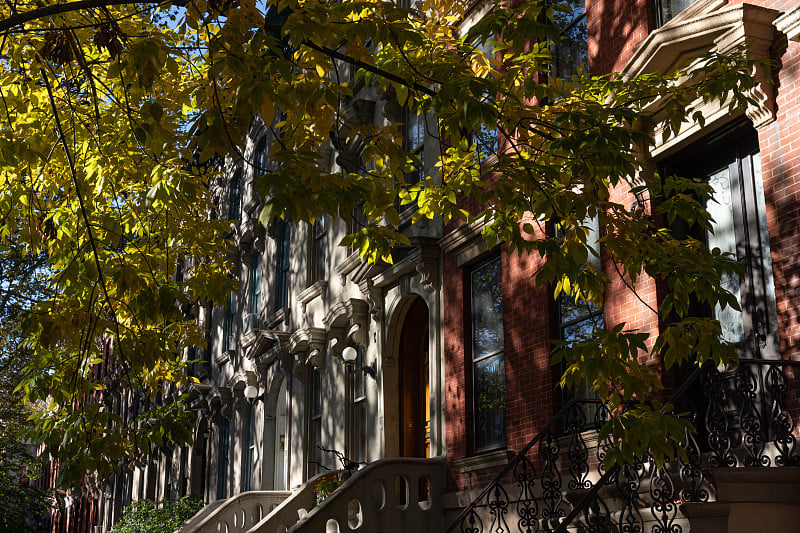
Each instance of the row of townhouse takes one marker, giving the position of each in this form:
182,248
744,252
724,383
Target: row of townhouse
435,371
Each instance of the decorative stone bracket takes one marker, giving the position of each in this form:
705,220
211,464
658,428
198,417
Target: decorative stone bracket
309,347
250,233
347,322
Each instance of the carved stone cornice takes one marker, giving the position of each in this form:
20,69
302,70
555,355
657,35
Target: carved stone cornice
248,232
357,269
720,31
789,24
373,296
428,269
424,259
257,342
319,288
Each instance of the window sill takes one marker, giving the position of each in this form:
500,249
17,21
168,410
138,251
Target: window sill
484,461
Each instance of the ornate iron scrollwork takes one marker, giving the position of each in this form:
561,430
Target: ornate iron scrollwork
577,451
472,523
719,439
497,502
781,425
749,416
552,497
691,470
527,506
662,495
628,481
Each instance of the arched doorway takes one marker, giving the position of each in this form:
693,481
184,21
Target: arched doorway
414,387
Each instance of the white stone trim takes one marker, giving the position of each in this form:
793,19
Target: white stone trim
789,24
466,242
668,47
319,288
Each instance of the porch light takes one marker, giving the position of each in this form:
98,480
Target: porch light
349,354
250,392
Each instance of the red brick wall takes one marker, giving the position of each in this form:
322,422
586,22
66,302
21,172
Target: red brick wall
615,29
454,366
530,387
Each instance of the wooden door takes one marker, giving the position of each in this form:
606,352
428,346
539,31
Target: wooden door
414,386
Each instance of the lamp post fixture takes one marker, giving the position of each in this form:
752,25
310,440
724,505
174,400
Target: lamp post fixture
349,354
251,393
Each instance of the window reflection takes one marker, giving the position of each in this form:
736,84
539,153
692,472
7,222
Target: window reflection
488,364
573,49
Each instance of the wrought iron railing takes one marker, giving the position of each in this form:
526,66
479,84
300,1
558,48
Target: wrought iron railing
558,481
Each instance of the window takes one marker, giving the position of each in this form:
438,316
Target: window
260,162
315,422
222,459
488,366
249,448
729,160
358,220
486,137
318,250
255,283
282,268
667,10
229,334
185,474
415,140
578,319
168,475
573,49
235,207
358,417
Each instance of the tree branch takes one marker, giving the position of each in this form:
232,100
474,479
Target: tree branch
21,18
370,68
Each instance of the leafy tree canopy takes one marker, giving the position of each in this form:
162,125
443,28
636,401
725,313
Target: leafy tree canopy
115,114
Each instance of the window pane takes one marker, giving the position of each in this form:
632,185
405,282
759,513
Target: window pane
489,398
573,49
724,237
255,299
236,195
487,309
358,377
261,157
230,323
358,454
282,268
582,330
320,248
670,8
222,460
572,311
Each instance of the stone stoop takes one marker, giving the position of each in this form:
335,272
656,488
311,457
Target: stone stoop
749,499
